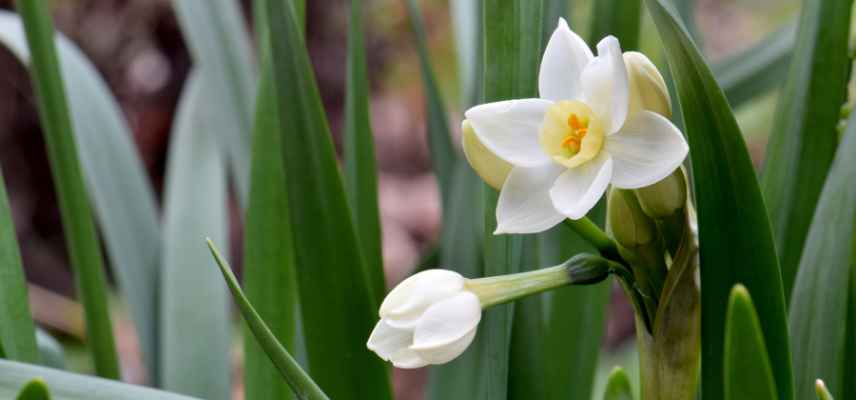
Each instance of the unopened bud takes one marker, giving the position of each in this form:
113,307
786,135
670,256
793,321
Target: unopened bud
664,198
629,225
648,89
492,169
587,269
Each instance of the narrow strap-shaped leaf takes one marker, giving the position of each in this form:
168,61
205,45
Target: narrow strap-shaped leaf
269,270
360,166
736,244
803,140
529,350
576,320
618,386
124,200
84,249
754,71
821,298
301,383
461,250
748,375
443,153
68,386
194,207
512,40
34,390
553,10
219,43
17,332
822,391
620,18
335,296
466,25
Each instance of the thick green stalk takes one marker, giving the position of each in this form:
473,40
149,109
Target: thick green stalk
83,247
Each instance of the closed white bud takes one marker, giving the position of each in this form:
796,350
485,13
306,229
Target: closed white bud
430,318
648,89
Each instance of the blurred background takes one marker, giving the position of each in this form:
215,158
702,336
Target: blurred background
138,48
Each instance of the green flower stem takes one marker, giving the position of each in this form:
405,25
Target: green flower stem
597,237
582,269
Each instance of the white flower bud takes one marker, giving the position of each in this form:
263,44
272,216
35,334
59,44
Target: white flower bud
648,89
430,318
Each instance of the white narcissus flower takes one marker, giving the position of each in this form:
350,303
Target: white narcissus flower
566,147
429,318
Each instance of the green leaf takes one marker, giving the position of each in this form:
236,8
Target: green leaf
68,386
360,168
84,248
17,332
194,207
618,386
220,46
803,140
736,244
269,270
443,153
335,295
620,18
302,385
822,292
576,320
529,350
460,251
513,42
748,375
757,69
118,183
466,25
553,10
34,390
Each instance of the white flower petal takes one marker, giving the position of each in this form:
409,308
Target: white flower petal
578,189
387,341
605,86
438,336
524,204
564,59
449,352
647,149
407,359
404,305
511,128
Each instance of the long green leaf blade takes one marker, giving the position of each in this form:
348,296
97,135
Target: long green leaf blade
220,45
17,332
748,375
821,297
124,199
335,295
803,140
34,390
80,235
512,42
736,244
360,165
269,270
619,18
68,386
301,383
576,321
443,153
194,207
